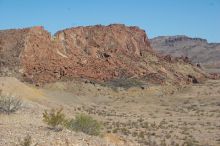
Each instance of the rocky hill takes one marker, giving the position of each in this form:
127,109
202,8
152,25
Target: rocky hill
100,53
198,50
78,71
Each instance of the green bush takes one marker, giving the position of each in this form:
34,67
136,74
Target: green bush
84,123
9,104
54,118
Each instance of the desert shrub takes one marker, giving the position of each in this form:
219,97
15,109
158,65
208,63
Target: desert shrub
27,141
125,83
9,104
189,142
84,123
54,118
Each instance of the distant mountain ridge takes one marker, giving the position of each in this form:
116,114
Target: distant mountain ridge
197,49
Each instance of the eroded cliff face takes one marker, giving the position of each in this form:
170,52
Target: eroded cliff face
99,53
12,43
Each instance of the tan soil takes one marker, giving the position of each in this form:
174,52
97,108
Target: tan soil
191,114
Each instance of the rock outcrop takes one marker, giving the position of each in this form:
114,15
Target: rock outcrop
98,52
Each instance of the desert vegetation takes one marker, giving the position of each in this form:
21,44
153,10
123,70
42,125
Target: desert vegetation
141,120
84,123
57,120
124,83
9,104
27,141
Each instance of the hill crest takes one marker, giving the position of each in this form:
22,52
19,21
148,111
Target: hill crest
100,53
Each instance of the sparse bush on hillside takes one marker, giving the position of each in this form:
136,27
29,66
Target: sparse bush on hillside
125,83
9,104
54,118
189,142
27,141
84,123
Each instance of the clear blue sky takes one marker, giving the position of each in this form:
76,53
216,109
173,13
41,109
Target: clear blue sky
195,18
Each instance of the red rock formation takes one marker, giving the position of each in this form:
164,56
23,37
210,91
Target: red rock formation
94,52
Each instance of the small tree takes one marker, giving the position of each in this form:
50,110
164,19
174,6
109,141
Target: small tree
54,118
9,104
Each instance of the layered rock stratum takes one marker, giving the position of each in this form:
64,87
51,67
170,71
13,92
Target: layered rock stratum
100,53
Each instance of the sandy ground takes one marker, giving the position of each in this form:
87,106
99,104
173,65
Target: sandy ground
130,117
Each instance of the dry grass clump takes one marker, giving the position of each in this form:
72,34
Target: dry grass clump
9,104
27,141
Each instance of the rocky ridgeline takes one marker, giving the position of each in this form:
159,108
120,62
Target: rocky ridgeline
98,52
196,49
